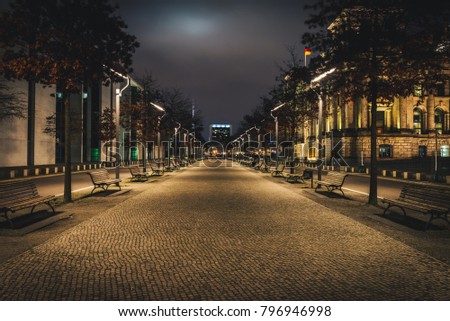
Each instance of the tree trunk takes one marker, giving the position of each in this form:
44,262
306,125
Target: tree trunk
31,122
373,193
67,150
373,82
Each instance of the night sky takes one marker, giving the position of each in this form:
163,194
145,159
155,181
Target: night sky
223,54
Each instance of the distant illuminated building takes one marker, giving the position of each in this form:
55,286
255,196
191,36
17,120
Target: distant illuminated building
219,132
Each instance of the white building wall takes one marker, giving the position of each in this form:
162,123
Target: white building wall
44,149
13,133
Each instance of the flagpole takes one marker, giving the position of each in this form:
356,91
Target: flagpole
307,53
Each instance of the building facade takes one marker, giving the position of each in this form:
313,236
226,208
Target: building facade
415,126
47,129
220,132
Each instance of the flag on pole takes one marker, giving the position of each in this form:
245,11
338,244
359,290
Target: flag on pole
307,53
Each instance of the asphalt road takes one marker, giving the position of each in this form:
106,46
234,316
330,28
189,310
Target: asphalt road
54,184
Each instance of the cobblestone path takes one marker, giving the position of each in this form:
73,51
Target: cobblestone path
222,234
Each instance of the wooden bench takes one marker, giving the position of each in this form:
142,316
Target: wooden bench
300,174
265,168
247,161
332,181
18,195
279,170
100,178
157,170
428,200
137,174
171,166
261,165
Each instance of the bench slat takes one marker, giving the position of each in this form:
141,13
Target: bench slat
19,195
100,178
431,200
334,180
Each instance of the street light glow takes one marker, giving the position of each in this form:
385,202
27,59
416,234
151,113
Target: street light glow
326,73
278,107
157,107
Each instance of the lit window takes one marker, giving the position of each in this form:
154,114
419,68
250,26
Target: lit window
417,120
439,120
385,151
445,151
418,91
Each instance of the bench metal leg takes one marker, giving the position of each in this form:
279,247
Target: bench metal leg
436,215
5,214
97,186
48,203
52,207
389,206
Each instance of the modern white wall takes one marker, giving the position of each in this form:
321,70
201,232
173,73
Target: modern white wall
44,152
13,133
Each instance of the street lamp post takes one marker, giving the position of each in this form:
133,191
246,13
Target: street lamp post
276,126
319,120
118,95
259,137
159,127
185,137
192,146
175,143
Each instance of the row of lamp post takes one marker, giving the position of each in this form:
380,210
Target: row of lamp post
314,83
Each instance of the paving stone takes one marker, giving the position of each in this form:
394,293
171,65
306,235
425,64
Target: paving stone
223,233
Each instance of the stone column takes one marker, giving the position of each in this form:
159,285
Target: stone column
335,113
395,114
430,112
364,115
403,111
349,115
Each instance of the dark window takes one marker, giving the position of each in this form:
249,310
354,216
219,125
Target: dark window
385,151
380,121
422,151
440,89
